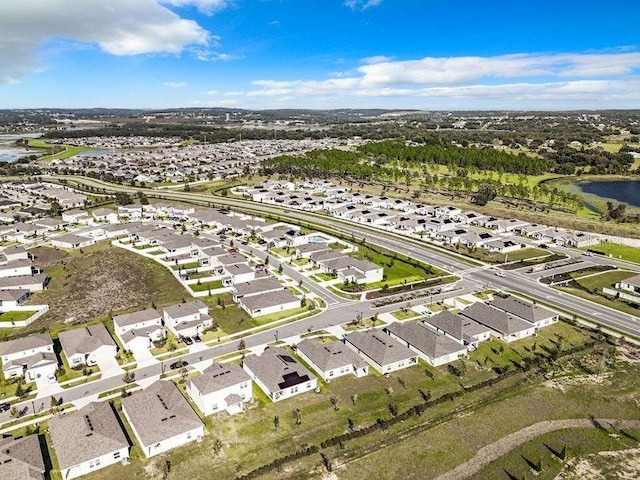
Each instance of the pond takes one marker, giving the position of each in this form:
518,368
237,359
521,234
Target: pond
627,191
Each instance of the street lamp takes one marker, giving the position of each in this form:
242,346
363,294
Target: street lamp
276,335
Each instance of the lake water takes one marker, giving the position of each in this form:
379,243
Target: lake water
9,153
627,191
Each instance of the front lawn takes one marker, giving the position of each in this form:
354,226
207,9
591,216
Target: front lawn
203,287
16,316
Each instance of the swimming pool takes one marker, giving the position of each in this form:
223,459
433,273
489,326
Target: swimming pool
318,240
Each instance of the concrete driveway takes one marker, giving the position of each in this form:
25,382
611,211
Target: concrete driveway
109,366
143,355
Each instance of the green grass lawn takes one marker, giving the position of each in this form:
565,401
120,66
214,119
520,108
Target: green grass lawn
495,257
16,316
204,286
606,279
405,314
597,298
186,266
323,277
623,252
69,151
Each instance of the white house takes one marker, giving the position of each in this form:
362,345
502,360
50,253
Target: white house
21,458
504,326
459,328
161,418
104,215
187,319
353,270
88,440
221,387
10,298
87,345
270,302
433,347
74,216
32,356
71,240
15,252
530,312
381,351
16,268
278,374
139,328
332,359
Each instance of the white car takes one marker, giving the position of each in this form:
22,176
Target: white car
52,378
501,274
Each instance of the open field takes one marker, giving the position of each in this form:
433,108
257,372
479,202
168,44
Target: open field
623,252
69,151
100,281
606,279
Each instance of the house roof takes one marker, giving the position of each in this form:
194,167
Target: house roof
325,255
495,319
21,458
86,434
160,412
379,347
331,355
268,299
85,340
71,238
313,247
277,369
12,295
260,285
25,343
184,309
219,376
429,342
136,317
458,326
22,280
635,281
526,310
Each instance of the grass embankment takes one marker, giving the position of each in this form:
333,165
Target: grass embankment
622,252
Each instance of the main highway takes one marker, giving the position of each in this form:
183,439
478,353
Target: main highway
473,276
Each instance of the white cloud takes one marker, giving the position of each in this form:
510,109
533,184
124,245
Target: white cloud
118,27
208,7
575,80
361,4
175,84
376,59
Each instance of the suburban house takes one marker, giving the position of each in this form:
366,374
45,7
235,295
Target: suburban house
187,319
531,312
85,345
71,240
161,418
88,440
15,252
270,302
238,273
381,351
221,387
458,327
353,270
139,328
13,298
21,458
308,249
32,283
256,287
30,356
16,268
433,347
105,215
278,374
502,325
332,359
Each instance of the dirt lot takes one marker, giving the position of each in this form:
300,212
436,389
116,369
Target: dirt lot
99,281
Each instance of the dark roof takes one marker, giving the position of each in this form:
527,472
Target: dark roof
495,319
526,310
219,376
21,459
331,355
379,347
458,326
431,343
277,369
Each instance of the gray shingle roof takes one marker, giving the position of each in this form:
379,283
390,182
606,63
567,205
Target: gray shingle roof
520,308
160,412
25,343
331,355
253,287
136,317
269,299
21,459
85,340
184,309
495,319
379,347
427,341
85,434
458,326
219,376
277,369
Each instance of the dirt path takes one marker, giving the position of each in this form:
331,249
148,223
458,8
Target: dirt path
495,450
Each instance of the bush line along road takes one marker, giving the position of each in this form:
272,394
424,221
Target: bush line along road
473,275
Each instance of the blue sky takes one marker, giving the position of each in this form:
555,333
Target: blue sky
424,54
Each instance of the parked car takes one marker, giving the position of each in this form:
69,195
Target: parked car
51,378
197,339
188,340
4,407
178,364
